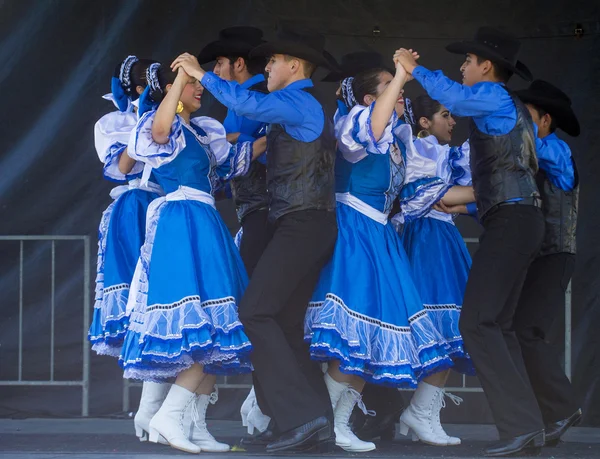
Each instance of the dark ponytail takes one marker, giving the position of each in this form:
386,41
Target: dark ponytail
365,83
138,76
423,106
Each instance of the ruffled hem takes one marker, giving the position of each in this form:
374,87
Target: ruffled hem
109,322
165,339
109,333
379,352
104,348
446,317
151,358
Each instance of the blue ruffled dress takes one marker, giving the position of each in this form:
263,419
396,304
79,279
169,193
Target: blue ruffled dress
190,276
366,310
438,255
120,235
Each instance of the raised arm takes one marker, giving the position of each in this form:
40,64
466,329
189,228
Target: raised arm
478,100
386,102
165,114
276,107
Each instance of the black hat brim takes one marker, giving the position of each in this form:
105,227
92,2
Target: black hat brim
218,48
293,49
479,49
561,112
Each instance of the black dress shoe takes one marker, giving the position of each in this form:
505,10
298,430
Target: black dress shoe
314,436
378,426
525,445
557,429
262,439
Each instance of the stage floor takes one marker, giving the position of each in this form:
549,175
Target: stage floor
114,438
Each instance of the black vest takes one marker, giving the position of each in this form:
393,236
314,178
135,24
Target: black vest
560,213
504,166
250,191
300,175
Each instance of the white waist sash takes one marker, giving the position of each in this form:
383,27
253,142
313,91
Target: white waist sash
135,185
183,193
362,207
188,193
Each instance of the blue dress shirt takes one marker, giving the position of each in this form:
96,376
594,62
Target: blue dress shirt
489,104
300,114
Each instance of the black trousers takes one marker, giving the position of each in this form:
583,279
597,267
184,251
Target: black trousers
382,399
512,237
541,305
257,233
289,385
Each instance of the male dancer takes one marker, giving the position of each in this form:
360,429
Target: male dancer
503,164
300,180
232,63
543,296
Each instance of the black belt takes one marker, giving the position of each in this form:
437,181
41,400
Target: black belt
531,201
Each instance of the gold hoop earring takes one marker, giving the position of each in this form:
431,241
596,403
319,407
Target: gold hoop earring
179,107
423,133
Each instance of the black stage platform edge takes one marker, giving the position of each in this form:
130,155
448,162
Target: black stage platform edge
109,438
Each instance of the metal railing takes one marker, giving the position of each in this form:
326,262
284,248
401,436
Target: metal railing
84,381
223,382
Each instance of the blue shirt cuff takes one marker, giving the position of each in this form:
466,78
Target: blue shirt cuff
209,79
472,209
420,72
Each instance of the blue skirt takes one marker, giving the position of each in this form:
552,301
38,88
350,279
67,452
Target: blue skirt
366,311
120,236
190,279
440,262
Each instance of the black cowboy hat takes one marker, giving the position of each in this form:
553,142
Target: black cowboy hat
233,41
302,43
497,46
552,100
354,63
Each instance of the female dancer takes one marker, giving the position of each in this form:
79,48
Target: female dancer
122,227
190,276
367,318
438,256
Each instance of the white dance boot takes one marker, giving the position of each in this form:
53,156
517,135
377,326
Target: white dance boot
439,404
420,416
173,420
199,434
153,395
344,437
335,389
252,416
245,410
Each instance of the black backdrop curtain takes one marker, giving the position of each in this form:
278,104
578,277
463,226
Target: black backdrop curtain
56,59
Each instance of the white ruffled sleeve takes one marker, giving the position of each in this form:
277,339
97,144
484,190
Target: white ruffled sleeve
355,134
459,165
111,135
422,186
142,146
232,160
452,162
